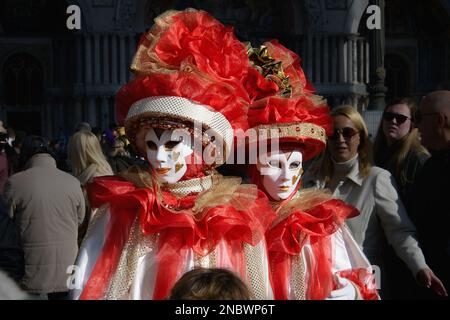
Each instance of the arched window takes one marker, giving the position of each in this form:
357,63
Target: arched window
398,76
22,78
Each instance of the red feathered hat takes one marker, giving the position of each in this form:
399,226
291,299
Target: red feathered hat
190,68
294,111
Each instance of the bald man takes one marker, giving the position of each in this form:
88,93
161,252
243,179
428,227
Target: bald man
431,206
433,120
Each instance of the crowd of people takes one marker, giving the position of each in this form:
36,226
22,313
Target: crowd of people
44,206
134,212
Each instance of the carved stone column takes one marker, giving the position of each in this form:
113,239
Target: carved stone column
113,64
105,112
77,111
91,111
123,61
49,125
88,60
377,89
78,58
97,63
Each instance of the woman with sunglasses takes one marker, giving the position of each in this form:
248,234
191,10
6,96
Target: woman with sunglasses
398,149
345,169
397,146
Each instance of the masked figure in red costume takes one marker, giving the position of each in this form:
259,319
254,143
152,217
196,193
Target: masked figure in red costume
180,111
312,254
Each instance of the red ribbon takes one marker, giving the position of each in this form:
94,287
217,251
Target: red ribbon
364,280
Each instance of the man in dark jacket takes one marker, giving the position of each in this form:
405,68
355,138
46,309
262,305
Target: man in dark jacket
11,253
48,206
431,210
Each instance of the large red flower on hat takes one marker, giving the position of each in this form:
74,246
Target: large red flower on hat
195,37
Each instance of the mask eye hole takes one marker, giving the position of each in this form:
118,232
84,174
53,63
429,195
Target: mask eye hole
294,165
171,144
151,145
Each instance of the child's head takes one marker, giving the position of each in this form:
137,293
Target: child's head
210,284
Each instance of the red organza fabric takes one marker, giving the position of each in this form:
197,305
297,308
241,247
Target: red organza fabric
291,67
178,232
196,37
300,109
365,282
286,239
259,87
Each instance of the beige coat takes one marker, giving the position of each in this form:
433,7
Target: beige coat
48,207
381,212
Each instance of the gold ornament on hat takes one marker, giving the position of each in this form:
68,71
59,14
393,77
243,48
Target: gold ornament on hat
270,68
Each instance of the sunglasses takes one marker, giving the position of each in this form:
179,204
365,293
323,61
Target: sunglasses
399,118
346,132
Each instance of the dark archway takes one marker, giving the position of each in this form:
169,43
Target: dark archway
398,76
23,82
417,33
38,64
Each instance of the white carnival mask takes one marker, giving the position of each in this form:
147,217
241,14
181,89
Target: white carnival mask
281,173
167,154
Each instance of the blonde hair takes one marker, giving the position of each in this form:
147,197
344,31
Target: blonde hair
84,150
324,166
410,142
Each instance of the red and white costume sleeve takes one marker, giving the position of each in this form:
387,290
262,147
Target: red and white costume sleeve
138,246
313,256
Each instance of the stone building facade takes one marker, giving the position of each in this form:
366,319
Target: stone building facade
51,77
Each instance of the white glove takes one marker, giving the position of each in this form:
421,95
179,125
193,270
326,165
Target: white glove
346,290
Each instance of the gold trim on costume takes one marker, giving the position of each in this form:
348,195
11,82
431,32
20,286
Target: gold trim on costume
298,277
293,130
302,200
197,185
137,246
207,261
255,273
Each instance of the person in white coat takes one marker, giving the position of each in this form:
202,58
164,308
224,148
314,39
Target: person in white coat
345,169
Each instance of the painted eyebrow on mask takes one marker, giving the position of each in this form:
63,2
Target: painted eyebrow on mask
172,144
158,132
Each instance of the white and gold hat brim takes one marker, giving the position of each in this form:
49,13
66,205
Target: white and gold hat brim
185,110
